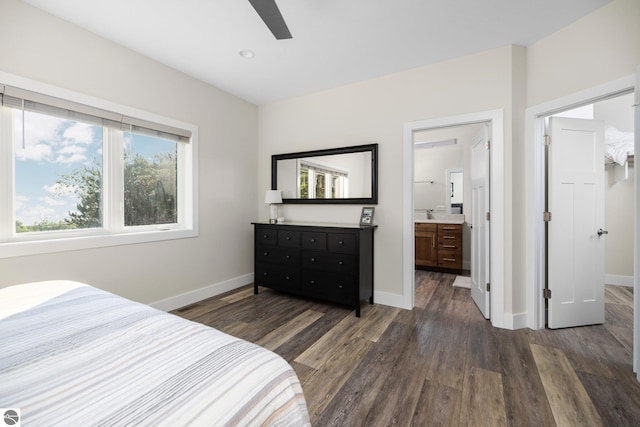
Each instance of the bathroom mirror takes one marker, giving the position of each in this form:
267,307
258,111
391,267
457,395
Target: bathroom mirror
347,175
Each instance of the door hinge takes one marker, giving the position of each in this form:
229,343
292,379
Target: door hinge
488,287
546,216
488,144
547,140
546,293
488,216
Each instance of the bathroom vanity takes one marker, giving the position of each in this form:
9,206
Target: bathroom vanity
438,243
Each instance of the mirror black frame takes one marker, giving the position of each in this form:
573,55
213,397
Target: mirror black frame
373,148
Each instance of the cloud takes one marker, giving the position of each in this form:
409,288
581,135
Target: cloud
59,189
78,133
38,152
30,215
53,201
52,139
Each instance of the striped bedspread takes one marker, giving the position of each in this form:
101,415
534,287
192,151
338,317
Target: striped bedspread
74,355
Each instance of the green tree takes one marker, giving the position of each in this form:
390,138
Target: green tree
150,188
86,183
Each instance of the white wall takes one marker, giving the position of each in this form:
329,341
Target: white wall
375,111
430,165
571,66
41,47
619,196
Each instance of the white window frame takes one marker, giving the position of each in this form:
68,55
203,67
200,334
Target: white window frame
113,232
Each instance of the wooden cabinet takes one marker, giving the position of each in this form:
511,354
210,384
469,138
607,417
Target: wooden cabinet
333,263
426,244
438,245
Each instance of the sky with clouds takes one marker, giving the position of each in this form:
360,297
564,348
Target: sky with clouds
49,148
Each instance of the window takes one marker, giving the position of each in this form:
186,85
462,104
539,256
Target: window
70,170
322,181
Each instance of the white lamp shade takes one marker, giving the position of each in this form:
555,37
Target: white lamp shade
273,196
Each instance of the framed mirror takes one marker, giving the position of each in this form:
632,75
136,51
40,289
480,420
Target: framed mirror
347,175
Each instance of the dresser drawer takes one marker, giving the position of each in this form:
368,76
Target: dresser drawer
342,263
450,244
289,238
277,277
449,229
331,286
425,226
449,259
277,255
265,236
314,240
340,242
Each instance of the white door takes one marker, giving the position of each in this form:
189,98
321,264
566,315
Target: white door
575,243
480,254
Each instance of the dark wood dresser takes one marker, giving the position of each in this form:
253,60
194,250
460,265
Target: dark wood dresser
332,262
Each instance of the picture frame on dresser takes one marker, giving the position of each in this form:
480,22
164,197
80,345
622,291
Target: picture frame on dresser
366,217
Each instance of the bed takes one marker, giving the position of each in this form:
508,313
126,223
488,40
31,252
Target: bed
619,146
71,354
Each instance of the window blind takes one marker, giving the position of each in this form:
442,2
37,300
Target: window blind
22,99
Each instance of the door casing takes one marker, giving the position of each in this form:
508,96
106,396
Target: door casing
497,202
534,187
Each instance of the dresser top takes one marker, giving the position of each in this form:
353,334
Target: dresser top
316,224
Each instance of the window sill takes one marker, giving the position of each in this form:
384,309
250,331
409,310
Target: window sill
37,247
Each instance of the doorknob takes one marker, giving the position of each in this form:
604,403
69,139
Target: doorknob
601,232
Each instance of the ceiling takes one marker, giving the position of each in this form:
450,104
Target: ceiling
335,42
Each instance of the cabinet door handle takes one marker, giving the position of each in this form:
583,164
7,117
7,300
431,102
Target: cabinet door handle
448,228
449,237
449,259
449,246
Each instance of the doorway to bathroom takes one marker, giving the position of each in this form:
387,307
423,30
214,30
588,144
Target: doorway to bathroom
469,142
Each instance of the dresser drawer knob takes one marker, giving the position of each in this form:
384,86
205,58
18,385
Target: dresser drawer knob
313,282
340,286
288,257
313,240
287,277
340,262
265,274
266,236
288,237
313,259
340,242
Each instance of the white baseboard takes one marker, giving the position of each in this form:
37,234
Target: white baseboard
387,298
191,297
515,321
614,279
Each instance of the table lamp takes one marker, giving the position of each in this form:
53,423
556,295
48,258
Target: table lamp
274,198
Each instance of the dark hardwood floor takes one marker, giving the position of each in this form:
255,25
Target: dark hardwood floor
440,363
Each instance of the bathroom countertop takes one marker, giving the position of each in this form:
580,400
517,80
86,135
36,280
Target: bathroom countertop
438,218
439,221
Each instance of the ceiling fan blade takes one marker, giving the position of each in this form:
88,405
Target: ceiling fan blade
270,14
